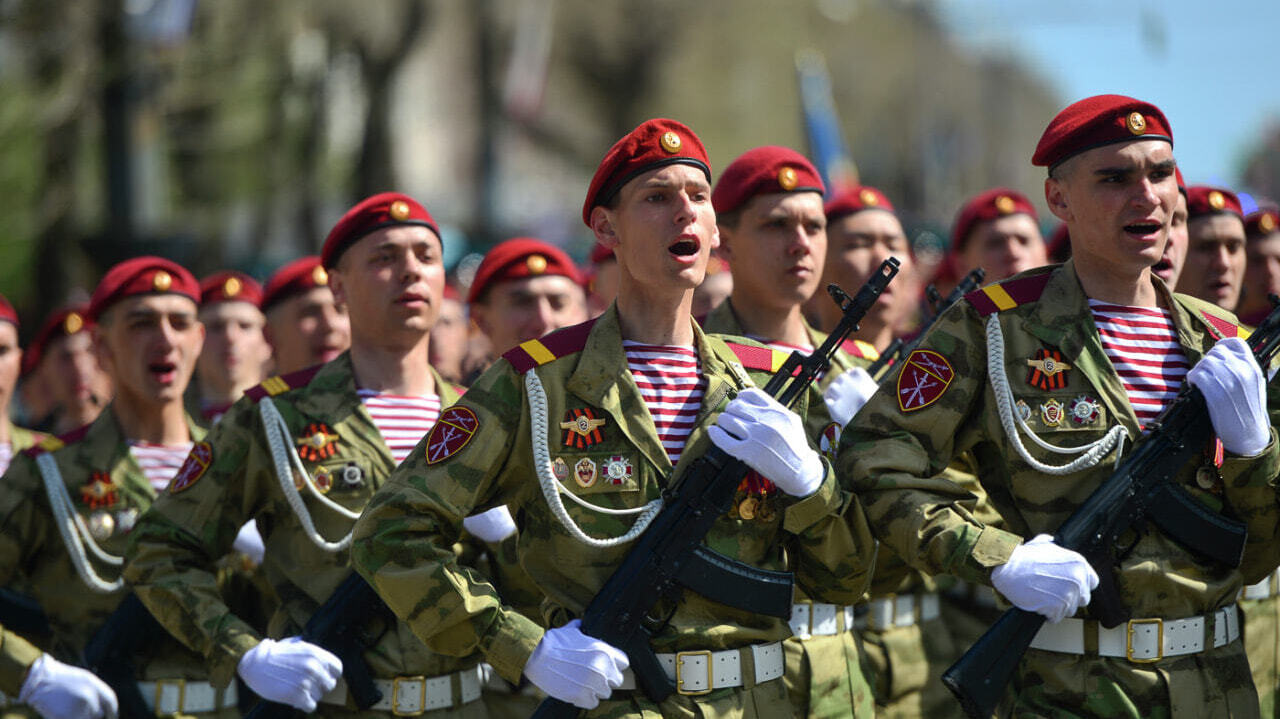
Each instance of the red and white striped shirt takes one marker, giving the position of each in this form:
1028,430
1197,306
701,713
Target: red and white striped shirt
671,386
1142,344
403,421
6,456
159,462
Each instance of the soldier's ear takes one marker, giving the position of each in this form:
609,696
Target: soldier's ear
602,226
336,286
1055,194
722,241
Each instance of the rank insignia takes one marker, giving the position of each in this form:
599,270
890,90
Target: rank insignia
1023,410
455,428
99,491
317,443
618,470
1083,410
829,441
560,469
101,525
1051,413
924,377
582,428
323,480
1048,370
584,472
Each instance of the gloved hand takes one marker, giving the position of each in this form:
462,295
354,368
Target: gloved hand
770,438
1235,391
59,691
249,543
492,526
574,667
847,393
1042,577
290,671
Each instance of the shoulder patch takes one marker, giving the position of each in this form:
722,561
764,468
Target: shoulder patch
280,384
924,377
193,469
860,349
1221,327
1008,294
560,343
455,428
761,359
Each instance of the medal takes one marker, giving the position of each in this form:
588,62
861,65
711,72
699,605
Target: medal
1051,413
617,469
747,508
1023,410
99,491
352,475
1047,370
766,511
1207,477
127,519
584,472
317,443
560,469
582,428
323,480
1084,410
101,525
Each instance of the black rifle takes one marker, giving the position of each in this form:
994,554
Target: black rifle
898,349
110,653
23,615
670,557
342,626
1142,488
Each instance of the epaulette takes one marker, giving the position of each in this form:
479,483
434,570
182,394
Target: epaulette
50,443
860,349
280,384
1008,294
1220,327
761,359
560,343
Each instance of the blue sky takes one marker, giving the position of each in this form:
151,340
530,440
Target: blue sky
1213,68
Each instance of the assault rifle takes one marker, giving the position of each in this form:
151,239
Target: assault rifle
1142,488
898,349
670,557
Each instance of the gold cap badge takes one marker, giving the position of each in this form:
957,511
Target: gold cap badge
399,210
537,264
319,276
1136,122
787,178
1004,205
1267,222
1216,200
161,281
73,323
231,287
670,142
868,198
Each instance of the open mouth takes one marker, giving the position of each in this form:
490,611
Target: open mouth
164,372
1143,228
684,247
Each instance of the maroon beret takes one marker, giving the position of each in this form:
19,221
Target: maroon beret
855,200
7,312
600,254
387,209
63,323
294,278
230,286
764,171
517,258
1097,121
1182,184
1203,200
655,143
1262,222
141,276
989,205
1060,244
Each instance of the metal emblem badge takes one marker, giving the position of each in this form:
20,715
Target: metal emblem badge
584,472
99,491
323,480
618,470
317,443
1051,413
127,519
560,469
1084,410
101,525
582,428
1023,410
1048,371
352,475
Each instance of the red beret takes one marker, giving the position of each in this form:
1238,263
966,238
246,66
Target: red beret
230,286
1203,200
1097,121
1060,244
989,205
600,254
63,323
763,171
517,258
140,276
1262,222
1182,184
292,279
655,143
7,312
855,200
387,209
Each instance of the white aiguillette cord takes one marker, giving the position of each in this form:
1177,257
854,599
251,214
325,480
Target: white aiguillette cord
75,535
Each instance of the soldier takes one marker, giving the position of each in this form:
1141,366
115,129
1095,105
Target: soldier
602,280
302,454
1051,352
997,230
523,289
54,689
236,353
769,212
1262,267
147,336
12,437
450,336
1169,268
62,360
715,288
1215,265
305,325
619,402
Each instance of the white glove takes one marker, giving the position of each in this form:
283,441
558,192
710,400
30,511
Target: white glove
1042,577
847,393
59,691
574,667
290,671
249,543
770,438
492,526
1234,389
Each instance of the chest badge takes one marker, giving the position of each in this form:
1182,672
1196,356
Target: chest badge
584,472
352,475
317,443
582,428
101,525
323,480
829,442
1023,410
99,491
618,470
1048,371
924,377
560,469
1084,410
1051,413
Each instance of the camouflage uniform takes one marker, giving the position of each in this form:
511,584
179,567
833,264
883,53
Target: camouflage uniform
109,491
1260,610
893,454
16,656
403,538
197,520
21,438
824,672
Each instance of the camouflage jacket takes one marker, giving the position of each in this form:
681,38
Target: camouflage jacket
230,479
895,448
16,656
481,455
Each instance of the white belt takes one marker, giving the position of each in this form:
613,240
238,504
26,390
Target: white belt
814,619
181,696
411,696
701,672
902,610
1143,640
1265,589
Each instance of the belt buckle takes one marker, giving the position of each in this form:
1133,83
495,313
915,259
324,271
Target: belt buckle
395,695
680,657
181,684
1128,642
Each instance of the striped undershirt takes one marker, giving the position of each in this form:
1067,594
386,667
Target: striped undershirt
1142,344
671,386
6,456
403,421
159,462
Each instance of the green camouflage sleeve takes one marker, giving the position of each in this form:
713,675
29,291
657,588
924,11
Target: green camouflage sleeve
24,518
1250,486
16,656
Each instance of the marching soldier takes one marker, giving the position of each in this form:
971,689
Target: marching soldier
12,437
611,409
523,289
1262,266
1215,267
54,689
306,326
602,280
302,454
997,230
62,360
1051,353
236,353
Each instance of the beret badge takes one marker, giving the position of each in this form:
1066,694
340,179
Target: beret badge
231,287
537,264
1136,123
1216,200
319,276
161,281
1267,222
73,323
670,142
868,198
1005,205
787,178
399,210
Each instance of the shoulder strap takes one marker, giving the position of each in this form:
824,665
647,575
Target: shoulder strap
280,384
1008,294
537,352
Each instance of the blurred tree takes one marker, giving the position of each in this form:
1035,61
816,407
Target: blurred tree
1261,172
